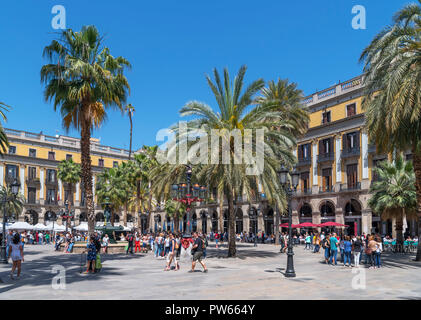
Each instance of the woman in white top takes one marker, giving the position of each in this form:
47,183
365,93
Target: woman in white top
105,242
16,253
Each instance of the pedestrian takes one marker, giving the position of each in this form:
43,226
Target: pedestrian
216,240
172,254
307,242
316,243
137,243
130,240
16,253
9,241
378,252
326,247
197,252
357,246
91,256
347,251
105,242
333,249
370,249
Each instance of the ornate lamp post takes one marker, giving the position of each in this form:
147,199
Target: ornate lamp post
15,190
290,188
187,193
66,214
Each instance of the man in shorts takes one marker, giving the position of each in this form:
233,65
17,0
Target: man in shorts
197,252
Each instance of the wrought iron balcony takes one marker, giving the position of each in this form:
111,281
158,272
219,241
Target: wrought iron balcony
30,201
351,152
326,189
346,187
11,178
325,157
304,162
33,182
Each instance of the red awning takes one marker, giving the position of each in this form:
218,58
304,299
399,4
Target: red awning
286,225
332,224
307,225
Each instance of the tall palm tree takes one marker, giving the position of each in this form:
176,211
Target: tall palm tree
286,98
14,204
84,80
393,89
393,193
130,110
237,111
113,186
4,142
69,172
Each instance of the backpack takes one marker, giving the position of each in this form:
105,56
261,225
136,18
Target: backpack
204,244
97,245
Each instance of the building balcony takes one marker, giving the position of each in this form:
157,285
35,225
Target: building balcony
326,189
51,202
303,193
33,182
352,152
325,157
302,162
346,187
32,202
51,183
10,179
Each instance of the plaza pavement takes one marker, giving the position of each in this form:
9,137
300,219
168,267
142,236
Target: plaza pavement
255,274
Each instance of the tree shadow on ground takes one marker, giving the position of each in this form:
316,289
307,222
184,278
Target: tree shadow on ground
39,272
222,253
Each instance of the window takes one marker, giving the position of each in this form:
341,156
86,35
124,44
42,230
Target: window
352,175
32,173
12,150
326,117
351,141
51,155
351,110
69,157
100,162
51,196
304,151
32,192
51,175
12,172
327,179
305,182
115,164
33,153
326,146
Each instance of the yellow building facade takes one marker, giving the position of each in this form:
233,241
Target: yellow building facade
33,160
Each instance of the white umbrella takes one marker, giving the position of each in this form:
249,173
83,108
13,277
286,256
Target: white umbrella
40,226
58,228
48,227
21,226
82,227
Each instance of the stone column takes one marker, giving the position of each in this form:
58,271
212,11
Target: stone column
22,180
364,154
77,195
338,161
60,191
1,175
42,183
314,167
246,217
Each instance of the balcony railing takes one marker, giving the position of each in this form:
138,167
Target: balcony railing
351,152
330,156
346,187
32,201
304,162
325,189
51,202
30,181
10,179
301,193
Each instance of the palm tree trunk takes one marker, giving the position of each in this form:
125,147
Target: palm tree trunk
86,171
131,131
221,213
399,230
276,225
231,226
417,169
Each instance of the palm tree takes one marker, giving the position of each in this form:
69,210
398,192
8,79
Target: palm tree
4,142
113,186
84,80
69,172
286,98
393,89
14,203
130,110
236,111
394,194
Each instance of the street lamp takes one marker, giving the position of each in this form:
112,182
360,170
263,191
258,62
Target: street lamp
187,193
15,190
290,187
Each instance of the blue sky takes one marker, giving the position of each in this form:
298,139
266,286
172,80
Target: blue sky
173,44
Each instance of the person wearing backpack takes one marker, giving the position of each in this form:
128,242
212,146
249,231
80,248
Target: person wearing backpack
197,252
130,240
